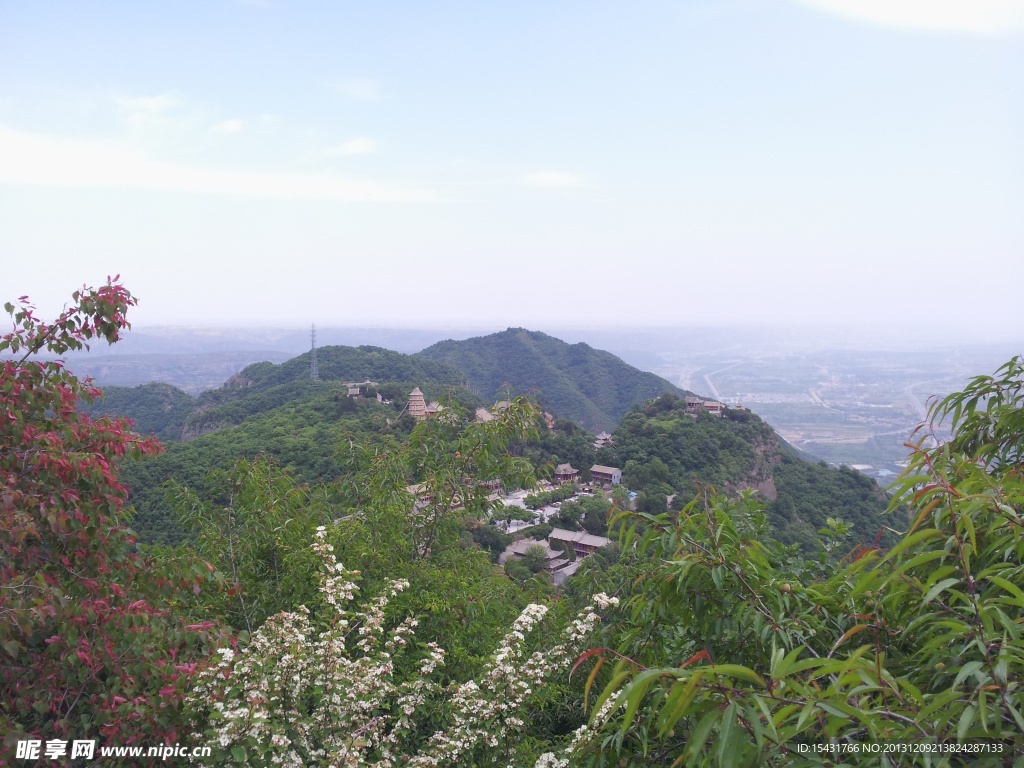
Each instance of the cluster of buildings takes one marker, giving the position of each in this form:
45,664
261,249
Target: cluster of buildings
600,475
359,388
695,405
557,548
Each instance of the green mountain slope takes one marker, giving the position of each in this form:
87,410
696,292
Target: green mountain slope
303,435
349,364
275,410
264,386
155,409
663,450
171,414
278,410
578,382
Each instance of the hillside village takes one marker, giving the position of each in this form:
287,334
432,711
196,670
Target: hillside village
562,552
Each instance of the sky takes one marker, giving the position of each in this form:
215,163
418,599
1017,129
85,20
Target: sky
536,164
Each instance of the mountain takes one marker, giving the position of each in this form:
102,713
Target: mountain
666,448
155,409
588,386
277,410
261,387
663,446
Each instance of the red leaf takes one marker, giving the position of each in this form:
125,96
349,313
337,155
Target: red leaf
698,656
584,656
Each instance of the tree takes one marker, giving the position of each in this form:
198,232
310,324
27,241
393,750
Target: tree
535,558
595,515
87,643
258,542
349,687
734,651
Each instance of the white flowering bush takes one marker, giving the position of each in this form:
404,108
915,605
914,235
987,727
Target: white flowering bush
306,693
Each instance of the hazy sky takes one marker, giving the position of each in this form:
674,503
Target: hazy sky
528,163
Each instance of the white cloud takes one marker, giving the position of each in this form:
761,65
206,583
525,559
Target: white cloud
228,126
27,159
550,178
985,17
358,88
164,120
146,114
145,105
358,146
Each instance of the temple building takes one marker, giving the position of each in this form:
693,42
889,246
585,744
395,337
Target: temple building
564,473
417,405
604,476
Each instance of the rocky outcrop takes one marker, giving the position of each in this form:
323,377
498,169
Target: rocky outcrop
198,424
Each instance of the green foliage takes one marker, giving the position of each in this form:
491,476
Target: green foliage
154,409
732,651
535,558
517,569
541,531
403,508
589,386
258,542
490,539
342,694
569,516
274,410
595,511
342,364
566,443
988,418
810,493
663,450
511,512
543,499
302,435
353,687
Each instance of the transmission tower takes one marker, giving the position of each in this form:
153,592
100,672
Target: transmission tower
314,374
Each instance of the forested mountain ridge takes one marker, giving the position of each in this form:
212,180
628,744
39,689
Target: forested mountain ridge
172,415
264,386
349,364
280,593
271,409
589,386
664,448
155,409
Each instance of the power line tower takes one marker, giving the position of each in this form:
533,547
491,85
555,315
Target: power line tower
314,374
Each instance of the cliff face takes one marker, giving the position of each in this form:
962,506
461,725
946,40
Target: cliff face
761,478
200,422
764,487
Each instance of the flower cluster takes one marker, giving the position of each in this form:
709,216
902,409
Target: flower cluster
301,694
583,735
489,713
